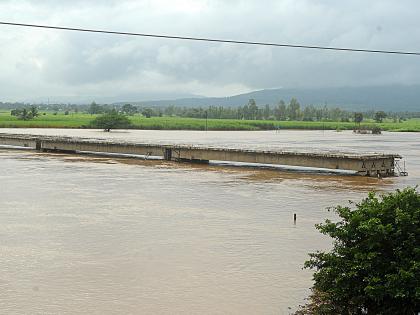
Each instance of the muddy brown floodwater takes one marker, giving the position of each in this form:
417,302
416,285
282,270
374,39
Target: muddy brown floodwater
104,235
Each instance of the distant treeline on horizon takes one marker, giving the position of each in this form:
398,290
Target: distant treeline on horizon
250,111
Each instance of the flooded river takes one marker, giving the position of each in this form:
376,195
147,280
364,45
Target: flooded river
104,235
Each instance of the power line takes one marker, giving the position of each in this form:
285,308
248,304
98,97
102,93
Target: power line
203,39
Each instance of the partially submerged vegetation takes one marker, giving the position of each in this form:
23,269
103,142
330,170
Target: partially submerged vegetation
375,130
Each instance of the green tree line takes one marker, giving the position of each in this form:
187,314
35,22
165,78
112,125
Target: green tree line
282,111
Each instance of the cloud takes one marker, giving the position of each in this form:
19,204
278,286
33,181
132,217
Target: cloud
35,63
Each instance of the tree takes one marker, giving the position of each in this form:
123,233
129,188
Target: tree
15,112
309,112
253,109
280,112
33,112
335,114
294,109
374,265
379,116
25,113
95,109
129,109
266,112
147,112
111,120
358,118
246,112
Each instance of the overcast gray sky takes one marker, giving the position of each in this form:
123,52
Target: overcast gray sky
46,63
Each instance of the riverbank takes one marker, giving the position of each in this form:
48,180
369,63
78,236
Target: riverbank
82,120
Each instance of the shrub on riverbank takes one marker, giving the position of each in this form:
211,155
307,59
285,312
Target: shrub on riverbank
374,265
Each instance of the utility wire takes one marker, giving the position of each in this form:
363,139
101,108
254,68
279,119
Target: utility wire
203,39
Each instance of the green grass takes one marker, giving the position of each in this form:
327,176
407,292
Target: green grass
46,121
178,123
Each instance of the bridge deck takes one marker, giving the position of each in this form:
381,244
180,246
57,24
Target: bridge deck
370,164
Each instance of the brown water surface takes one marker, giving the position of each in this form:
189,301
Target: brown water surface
104,235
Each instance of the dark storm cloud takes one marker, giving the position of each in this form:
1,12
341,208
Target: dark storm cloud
42,62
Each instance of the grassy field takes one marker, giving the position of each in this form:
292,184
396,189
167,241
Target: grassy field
178,123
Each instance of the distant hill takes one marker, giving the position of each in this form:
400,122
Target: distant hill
115,99
388,98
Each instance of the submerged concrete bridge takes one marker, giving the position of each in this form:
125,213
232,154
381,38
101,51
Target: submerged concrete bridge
369,164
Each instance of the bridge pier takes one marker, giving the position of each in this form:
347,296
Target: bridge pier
167,154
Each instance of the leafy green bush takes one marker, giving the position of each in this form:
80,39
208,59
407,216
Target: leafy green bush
374,265
111,120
